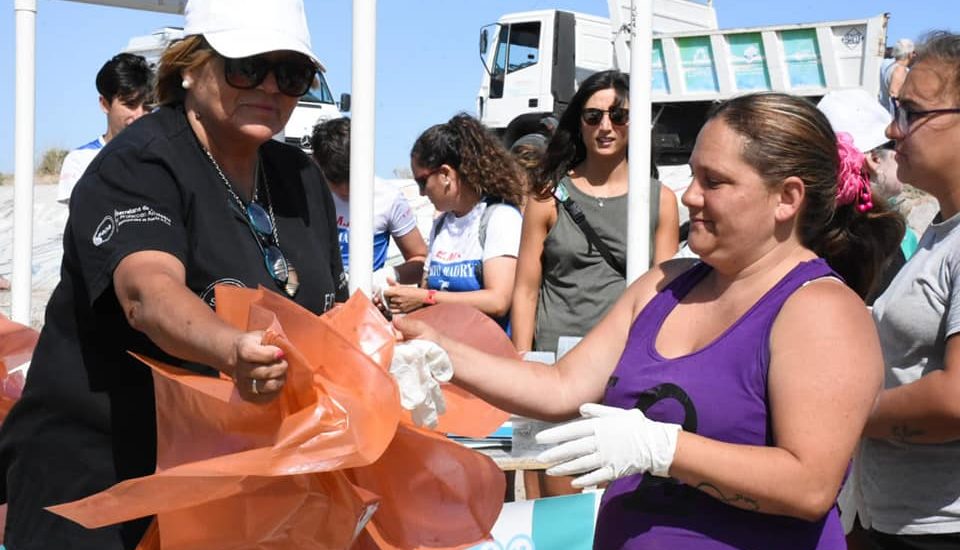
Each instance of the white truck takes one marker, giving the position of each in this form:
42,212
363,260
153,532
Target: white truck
534,62
318,105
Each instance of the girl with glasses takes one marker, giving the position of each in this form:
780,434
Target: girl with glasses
191,196
477,188
565,285
909,478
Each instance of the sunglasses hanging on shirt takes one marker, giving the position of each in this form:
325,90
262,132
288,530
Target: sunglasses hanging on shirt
262,224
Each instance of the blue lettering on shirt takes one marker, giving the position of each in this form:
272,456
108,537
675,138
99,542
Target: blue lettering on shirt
455,277
381,243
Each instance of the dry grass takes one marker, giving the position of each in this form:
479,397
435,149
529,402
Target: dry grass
38,179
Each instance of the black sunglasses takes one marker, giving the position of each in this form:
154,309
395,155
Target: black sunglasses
422,178
294,74
618,116
904,117
279,268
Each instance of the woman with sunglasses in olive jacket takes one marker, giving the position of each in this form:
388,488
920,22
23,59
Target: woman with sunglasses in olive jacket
194,195
564,283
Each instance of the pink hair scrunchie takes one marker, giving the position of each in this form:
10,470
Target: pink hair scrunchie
853,186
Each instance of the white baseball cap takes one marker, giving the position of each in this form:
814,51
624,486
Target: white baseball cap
241,28
859,114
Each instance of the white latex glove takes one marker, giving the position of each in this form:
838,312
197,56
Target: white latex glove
609,443
418,367
382,278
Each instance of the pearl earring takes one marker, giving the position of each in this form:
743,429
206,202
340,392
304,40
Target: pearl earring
185,84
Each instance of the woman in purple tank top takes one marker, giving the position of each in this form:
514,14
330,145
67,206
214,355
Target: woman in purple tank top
722,399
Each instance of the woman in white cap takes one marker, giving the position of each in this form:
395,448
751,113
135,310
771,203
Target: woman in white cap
193,195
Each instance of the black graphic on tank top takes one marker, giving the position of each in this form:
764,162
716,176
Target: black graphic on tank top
661,495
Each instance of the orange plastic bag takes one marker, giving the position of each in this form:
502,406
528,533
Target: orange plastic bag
467,414
308,469
16,347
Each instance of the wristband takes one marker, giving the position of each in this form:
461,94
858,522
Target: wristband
431,298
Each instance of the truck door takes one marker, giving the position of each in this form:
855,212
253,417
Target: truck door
516,74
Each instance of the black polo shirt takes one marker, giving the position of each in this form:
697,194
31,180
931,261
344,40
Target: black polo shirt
86,419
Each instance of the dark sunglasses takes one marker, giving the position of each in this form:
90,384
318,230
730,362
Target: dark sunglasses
905,117
281,270
422,178
618,116
294,74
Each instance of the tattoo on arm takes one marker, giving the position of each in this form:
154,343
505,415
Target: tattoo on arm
904,433
738,500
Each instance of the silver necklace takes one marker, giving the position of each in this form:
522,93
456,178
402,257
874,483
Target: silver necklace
292,283
256,193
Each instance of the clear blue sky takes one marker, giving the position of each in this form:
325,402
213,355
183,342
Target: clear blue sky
428,67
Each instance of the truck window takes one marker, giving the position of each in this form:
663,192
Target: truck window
320,94
518,47
524,46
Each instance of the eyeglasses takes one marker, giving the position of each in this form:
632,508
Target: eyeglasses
422,178
618,116
294,74
278,267
904,117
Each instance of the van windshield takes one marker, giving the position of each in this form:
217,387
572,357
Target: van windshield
320,94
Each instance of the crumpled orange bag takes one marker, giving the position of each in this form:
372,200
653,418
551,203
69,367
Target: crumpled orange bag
311,468
16,347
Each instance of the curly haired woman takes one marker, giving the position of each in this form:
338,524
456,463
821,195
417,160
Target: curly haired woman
472,179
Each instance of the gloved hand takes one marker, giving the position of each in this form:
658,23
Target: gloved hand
382,278
418,367
609,443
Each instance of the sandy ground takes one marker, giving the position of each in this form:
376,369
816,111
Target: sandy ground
48,222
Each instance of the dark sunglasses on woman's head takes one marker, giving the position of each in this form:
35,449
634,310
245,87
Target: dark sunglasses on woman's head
294,74
618,116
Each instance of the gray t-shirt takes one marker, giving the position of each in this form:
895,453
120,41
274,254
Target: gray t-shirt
914,489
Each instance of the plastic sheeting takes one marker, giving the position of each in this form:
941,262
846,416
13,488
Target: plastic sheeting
332,462
16,347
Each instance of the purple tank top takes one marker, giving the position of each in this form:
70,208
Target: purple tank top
718,392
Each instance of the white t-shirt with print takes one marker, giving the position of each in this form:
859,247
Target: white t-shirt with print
74,165
456,257
392,215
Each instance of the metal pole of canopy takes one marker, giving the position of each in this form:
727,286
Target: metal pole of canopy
362,144
638,202
24,142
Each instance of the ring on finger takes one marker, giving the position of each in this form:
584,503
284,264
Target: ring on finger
253,387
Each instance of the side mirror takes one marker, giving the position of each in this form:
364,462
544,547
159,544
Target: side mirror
483,41
344,102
